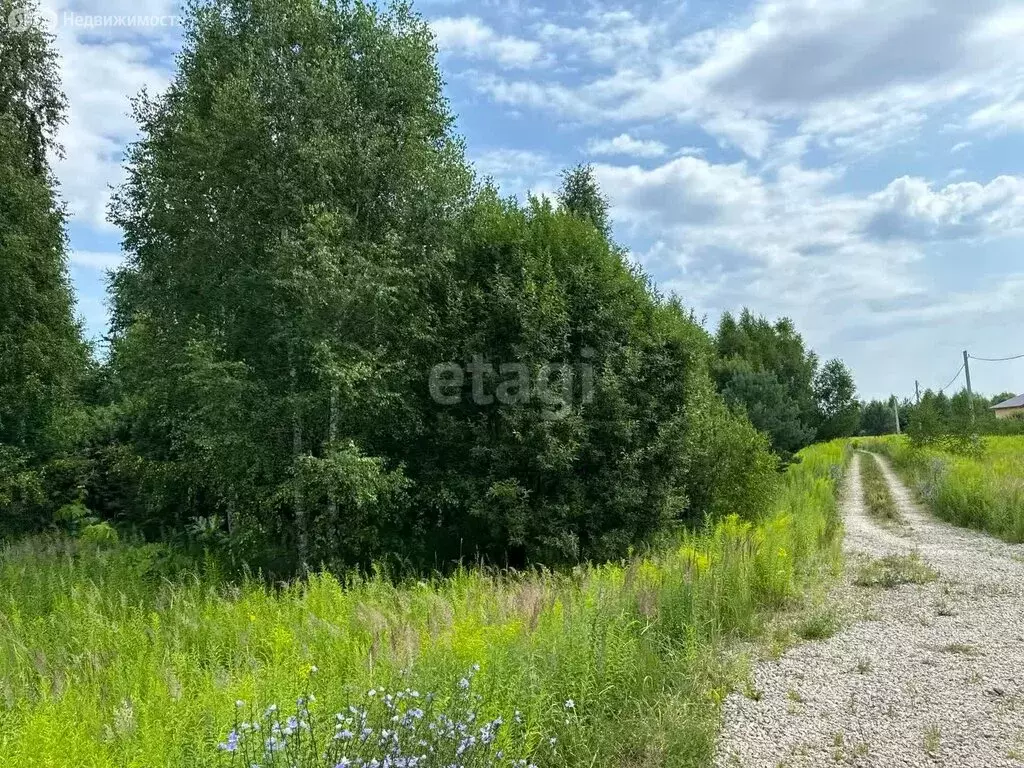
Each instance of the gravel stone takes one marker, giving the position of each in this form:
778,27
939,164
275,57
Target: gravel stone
930,675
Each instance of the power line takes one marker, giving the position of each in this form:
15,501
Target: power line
996,359
953,380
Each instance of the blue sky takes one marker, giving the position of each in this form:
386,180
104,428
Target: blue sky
857,166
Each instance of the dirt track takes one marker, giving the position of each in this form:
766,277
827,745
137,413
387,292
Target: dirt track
925,674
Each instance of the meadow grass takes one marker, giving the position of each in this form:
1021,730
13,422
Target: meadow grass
985,491
110,658
877,496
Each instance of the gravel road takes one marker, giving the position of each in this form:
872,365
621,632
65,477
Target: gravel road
923,675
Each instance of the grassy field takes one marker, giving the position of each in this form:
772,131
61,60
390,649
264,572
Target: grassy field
984,491
109,656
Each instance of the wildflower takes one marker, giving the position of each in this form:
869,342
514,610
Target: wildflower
314,669
464,684
343,763
372,692
239,703
274,744
570,704
231,744
344,734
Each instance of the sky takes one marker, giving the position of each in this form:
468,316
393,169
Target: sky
854,165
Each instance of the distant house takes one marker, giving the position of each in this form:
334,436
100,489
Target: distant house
1011,409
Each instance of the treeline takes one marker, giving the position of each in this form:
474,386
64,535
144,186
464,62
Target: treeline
332,344
938,415
766,369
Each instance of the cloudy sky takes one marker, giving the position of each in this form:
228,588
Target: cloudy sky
855,165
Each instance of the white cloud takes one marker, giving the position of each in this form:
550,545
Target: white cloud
99,260
518,172
1000,116
854,78
101,70
909,208
609,37
728,236
960,147
624,144
469,36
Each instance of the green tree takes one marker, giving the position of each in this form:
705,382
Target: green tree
305,247
877,418
769,407
581,196
836,395
42,354
776,353
284,217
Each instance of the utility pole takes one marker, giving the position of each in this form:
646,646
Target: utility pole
917,391
970,393
896,410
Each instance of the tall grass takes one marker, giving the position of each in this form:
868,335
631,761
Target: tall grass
106,660
985,491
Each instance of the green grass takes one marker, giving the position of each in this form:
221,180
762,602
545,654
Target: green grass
820,624
984,492
877,496
895,570
110,656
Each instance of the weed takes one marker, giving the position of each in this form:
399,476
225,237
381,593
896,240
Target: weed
960,649
877,496
895,570
932,740
820,625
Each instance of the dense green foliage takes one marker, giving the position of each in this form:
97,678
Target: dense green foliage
298,265
332,346
983,489
766,370
42,357
939,417
135,660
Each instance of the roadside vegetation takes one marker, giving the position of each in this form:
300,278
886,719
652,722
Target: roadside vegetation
139,659
981,487
877,494
893,571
